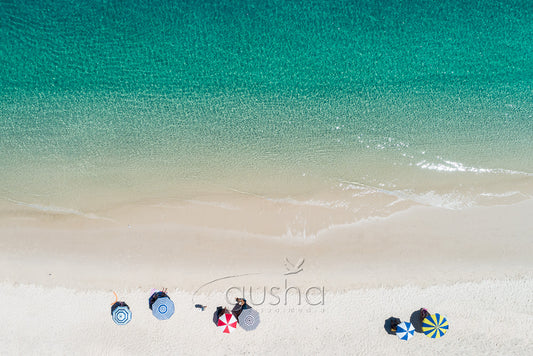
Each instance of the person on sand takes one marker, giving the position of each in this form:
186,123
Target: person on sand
242,302
161,294
239,307
423,314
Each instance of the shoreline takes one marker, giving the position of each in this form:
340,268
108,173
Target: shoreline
472,265
300,216
432,245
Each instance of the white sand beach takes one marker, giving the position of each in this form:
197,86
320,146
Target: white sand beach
488,317
472,265
334,163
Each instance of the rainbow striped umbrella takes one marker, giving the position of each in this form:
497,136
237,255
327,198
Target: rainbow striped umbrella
435,325
405,330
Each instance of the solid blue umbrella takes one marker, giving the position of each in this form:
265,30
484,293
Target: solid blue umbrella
405,330
121,314
163,308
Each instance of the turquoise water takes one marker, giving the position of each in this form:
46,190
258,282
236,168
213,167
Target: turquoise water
274,97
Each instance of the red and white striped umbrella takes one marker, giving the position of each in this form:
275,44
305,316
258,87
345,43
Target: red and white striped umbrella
227,323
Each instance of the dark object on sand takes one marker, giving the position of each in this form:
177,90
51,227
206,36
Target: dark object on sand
118,304
200,306
154,297
423,314
417,317
218,313
239,307
394,324
391,324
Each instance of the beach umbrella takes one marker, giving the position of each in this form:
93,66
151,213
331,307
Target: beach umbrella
435,325
227,323
163,308
121,314
405,330
249,319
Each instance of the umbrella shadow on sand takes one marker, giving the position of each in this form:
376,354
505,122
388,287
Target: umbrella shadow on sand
220,311
389,323
417,317
415,321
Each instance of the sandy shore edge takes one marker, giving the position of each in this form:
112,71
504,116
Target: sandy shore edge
420,246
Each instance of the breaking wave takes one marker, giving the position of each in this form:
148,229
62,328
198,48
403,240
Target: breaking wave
451,166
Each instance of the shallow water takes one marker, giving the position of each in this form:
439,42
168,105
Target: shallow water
111,102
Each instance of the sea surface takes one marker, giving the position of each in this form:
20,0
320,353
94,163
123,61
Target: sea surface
110,102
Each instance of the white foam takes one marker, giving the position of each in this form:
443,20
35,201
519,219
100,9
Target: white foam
503,195
451,200
59,210
451,166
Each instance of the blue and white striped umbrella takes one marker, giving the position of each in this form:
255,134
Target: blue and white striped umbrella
249,319
405,330
121,314
163,308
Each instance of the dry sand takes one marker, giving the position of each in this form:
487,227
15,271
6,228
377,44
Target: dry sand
474,265
486,318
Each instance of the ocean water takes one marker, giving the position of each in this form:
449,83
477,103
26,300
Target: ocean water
111,102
